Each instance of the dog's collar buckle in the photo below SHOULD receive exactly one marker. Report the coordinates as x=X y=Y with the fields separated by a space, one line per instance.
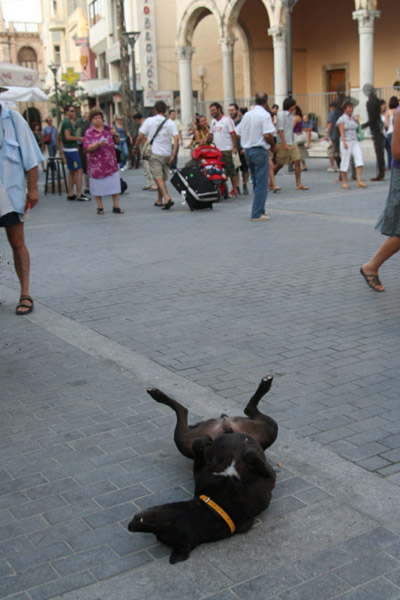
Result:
x=207 y=500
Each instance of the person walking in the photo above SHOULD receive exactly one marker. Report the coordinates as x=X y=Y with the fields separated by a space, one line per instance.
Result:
x=236 y=117
x=389 y=221
x=99 y=143
x=50 y=137
x=256 y=132
x=123 y=141
x=19 y=160
x=160 y=130
x=288 y=151
x=349 y=145
x=151 y=184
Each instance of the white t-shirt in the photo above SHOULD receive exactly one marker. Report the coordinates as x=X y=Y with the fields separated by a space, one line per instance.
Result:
x=221 y=130
x=162 y=142
x=253 y=126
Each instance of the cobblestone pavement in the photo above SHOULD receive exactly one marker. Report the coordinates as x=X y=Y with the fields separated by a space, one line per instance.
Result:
x=202 y=305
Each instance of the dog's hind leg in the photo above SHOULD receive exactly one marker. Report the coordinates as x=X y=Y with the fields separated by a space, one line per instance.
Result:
x=181 y=411
x=251 y=409
x=260 y=426
x=183 y=434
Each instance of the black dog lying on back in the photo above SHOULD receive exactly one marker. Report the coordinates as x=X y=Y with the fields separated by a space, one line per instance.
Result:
x=233 y=481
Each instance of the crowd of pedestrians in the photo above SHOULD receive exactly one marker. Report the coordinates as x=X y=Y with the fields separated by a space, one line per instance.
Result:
x=255 y=143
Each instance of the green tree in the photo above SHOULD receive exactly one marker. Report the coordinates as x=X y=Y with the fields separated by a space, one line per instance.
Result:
x=68 y=94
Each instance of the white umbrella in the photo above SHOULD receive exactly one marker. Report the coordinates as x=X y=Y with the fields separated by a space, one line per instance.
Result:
x=17 y=76
x=23 y=94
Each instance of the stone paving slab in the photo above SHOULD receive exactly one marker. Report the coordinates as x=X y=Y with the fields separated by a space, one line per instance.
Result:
x=202 y=305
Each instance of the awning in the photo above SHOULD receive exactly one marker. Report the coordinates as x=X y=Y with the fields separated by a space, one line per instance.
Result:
x=23 y=94
x=107 y=90
x=16 y=76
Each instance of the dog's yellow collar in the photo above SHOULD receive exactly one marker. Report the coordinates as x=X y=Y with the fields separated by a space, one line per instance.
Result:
x=207 y=500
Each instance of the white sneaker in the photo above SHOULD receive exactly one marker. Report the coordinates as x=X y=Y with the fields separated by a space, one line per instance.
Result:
x=263 y=217
x=330 y=170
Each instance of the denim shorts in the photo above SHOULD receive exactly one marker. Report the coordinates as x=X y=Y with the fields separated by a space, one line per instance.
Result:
x=73 y=160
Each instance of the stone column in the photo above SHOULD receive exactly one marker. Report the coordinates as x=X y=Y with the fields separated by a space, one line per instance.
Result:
x=228 y=71
x=366 y=20
x=184 y=54
x=280 y=64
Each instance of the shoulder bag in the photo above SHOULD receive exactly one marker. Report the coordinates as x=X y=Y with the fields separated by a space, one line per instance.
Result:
x=146 y=152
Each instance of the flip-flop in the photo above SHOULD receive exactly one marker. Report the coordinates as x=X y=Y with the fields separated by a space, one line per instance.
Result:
x=168 y=204
x=28 y=309
x=302 y=187
x=372 y=281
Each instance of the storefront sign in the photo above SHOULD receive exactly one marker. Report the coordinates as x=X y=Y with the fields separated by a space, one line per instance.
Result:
x=150 y=97
x=82 y=41
x=147 y=45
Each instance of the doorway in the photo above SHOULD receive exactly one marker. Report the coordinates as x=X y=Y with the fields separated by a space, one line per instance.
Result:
x=335 y=78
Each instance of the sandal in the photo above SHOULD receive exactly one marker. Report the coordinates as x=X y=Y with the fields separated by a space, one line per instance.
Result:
x=168 y=204
x=27 y=308
x=276 y=189
x=100 y=211
x=156 y=204
x=302 y=187
x=373 y=281
x=118 y=210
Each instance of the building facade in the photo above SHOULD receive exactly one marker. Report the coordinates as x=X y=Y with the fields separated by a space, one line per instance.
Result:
x=190 y=52
x=21 y=44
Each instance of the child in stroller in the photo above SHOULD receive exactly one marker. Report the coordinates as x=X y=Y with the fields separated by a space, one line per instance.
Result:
x=210 y=163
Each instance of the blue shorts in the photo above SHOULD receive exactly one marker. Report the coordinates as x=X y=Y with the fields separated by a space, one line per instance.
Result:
x=73 y=160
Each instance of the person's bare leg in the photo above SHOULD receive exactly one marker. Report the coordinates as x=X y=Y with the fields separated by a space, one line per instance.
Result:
x=71 y=181
x=79 y=174
x=15 y=235
x=272 y=180
x=235 y=182
x=386 y=250
x=297 y=173
x=99 y=200
x=343 y=177
x=277 y=168
x=332 y=162
x=162 y=191
x=115 y=199
x=360 y=182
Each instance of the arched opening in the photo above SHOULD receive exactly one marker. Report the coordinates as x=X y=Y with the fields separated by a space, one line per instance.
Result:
x=254 y=20
x=27 y=57
x=32 y=115
x=207 y=61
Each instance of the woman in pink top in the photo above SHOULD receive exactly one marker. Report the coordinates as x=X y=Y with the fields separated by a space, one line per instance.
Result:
x=99 y=143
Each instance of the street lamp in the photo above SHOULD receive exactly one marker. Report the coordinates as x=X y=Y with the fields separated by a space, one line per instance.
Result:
x=289 y=4
x=54 y=68
x=131 y=38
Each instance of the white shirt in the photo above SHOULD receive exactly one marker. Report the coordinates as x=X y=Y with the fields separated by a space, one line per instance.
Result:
x=162 y=142
x=221 y=130
x=253 y=126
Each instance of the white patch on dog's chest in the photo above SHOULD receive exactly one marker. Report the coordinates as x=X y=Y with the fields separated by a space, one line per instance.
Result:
x=229 y=471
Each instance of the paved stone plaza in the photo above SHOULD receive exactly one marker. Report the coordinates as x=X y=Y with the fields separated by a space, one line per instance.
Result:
x=201 y=305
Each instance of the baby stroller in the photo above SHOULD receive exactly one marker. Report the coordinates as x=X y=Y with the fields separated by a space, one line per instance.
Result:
x=209 y=160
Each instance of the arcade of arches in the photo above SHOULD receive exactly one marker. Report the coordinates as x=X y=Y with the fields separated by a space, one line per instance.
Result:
x=229 y=49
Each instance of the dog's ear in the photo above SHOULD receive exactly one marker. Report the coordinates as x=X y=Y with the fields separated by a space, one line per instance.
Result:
x=180 y=554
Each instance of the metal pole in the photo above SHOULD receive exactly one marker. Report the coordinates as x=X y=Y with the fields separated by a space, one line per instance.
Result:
x=56 y=94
